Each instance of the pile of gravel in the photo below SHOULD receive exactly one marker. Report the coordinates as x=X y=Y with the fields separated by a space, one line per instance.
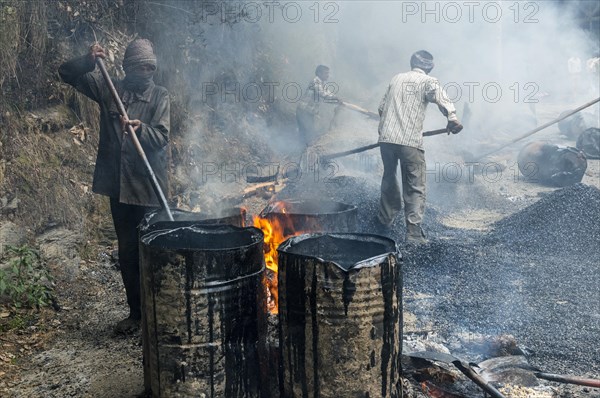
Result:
x=565 y=221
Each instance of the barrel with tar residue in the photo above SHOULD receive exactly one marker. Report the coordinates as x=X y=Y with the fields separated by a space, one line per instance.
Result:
x=203 y=306
x=312 y=215
x=158 y=219
x=340 y=316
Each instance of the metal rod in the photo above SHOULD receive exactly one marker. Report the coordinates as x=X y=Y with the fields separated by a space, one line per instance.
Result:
x=543 y=126
x=371 y=146
x=569 y=379
x=157 y=190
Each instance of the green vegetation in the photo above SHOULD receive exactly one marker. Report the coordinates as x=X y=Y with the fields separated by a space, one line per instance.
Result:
x=26 y=283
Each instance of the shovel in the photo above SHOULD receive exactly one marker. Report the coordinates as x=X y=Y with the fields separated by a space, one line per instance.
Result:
x=464 y=367
x=494 y=367
x=540 y=128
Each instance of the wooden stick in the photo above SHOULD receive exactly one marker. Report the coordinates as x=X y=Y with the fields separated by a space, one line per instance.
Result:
x=569 y=379
x=359 y=109
x=371 y=146
x=582 y=107
x=136 y=142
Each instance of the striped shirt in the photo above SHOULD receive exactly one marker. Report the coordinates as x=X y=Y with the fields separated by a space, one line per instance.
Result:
x=402 y=109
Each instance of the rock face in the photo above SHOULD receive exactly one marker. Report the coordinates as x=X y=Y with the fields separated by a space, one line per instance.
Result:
x=11 y=235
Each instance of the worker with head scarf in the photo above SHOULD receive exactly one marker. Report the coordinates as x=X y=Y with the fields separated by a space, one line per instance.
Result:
x=120 y=173
x=402 y=112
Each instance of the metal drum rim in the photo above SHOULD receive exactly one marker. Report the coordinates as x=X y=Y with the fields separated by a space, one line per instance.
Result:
x=257 y=234
x=367 y=262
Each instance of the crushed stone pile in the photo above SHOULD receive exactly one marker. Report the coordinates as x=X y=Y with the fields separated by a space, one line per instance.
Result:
x=566 y=220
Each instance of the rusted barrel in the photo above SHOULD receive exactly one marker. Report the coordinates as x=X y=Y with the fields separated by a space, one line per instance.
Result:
x=551 y=164
x=312 y=216
x=157 y=219
x=203 y=311
x=295 y=217
x=340 y=316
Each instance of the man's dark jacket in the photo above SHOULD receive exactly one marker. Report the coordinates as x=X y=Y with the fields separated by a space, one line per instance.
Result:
x=120 y=171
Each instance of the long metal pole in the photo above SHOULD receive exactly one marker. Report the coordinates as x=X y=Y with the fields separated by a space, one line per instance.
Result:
x=543 y=126
x=157 y=190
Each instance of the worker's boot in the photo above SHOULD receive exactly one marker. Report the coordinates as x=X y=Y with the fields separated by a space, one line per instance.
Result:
x=129 y=325
x=415 y=234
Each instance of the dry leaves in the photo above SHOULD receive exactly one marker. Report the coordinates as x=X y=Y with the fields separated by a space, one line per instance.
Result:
x=79 y=133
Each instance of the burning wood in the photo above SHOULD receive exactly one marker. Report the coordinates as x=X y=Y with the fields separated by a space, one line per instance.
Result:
x=437 y=392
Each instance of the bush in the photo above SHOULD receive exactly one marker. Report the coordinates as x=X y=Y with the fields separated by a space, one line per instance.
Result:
x=26 y=283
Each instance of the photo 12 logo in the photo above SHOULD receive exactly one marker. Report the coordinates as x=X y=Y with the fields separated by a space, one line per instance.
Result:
x=266 y=92
x=490 y=92
x=269 y=11
x=469 y=11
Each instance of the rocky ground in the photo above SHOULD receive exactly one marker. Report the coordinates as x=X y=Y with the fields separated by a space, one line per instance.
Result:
x=475 y=278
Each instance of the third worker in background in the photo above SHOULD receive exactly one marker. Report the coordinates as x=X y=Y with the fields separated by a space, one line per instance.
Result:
x=307 y=112
x=402 y=113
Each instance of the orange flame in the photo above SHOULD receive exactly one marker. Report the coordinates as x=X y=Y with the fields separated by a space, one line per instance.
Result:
x=273 y=232
x=276 y=230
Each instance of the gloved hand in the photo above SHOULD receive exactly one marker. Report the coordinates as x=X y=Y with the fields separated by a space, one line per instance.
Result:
x=454 y=127
x=96 y=51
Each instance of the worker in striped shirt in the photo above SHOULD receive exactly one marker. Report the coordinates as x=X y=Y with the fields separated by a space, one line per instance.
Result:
x=402 y=112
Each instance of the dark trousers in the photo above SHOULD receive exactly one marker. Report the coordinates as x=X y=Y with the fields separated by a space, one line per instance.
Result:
x=307 y=126
x=126 y=219
x=412 y=166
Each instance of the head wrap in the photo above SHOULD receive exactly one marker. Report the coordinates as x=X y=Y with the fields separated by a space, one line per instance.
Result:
x=422 y=60
x=139 y=52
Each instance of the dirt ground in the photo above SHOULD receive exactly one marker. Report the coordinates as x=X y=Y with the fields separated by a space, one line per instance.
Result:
x=75 y=354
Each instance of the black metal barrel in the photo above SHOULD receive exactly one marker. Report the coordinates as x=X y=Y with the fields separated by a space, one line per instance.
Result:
x=158 y=219
x=312 y=215
x=203 y=303
x=574 y=125
x=340 y=316
x=551 y=164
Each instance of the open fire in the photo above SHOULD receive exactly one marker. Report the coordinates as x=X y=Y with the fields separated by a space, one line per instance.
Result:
x=273 y=237
x=276 y=230
x=281 y=220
